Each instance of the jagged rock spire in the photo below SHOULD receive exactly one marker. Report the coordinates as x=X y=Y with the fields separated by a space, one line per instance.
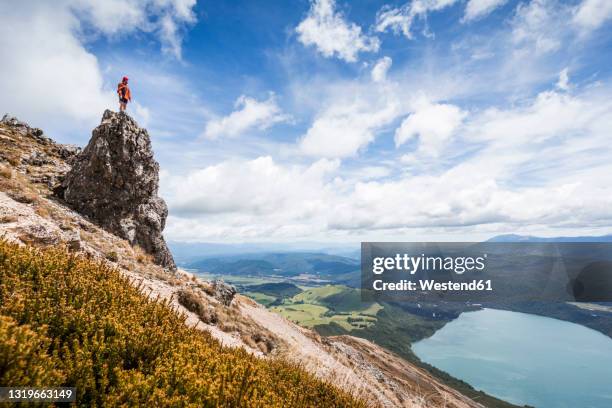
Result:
x=114 y=181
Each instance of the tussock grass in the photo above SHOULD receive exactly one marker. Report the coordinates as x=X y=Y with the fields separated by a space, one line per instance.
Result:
x=5 y=219
x=142 y=256
x=6 y=172
x=70 y=321
x=24 y=197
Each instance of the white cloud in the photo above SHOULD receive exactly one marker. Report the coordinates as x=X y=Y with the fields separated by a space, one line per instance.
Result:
x=249 y=114
x=400 y=19
x=166 y=18
x=541 y=165
x=245 y=199
x=351 y=114
x=539 y=25
x=591 y=14
x=332 y=35
x=349 y=124
x=434 y=124
x=47 y=74
x=379 y=72
x=141 y=114
x=476 y=9
x=543 y=26
x=521 y=163
x=550 y=114
x=563 y=82
x=260 y=186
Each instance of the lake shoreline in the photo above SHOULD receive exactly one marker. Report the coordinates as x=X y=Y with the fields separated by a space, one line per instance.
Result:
x=465 y=349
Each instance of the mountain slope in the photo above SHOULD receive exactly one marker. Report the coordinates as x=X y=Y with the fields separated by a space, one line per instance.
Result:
x=94 y=331
x=31 y=168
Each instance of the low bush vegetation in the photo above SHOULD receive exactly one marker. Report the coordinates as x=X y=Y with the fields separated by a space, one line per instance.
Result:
x=70 y=321
x=24 y=197
x=194 y=303
x=112 y=256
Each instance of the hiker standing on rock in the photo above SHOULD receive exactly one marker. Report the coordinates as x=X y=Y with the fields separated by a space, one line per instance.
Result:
x=125 y=96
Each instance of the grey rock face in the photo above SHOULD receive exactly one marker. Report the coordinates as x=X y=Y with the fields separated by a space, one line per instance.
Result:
x=68 y=152
x=223 y=292
x=37 y=159
x=114 y=181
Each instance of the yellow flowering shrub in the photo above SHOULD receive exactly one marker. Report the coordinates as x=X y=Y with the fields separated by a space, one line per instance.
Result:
x=69 y=321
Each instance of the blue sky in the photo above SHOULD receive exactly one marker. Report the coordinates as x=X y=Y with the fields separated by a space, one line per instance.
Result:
x=337 y=121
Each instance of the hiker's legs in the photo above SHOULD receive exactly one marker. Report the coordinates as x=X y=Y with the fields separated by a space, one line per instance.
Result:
x=121 y=106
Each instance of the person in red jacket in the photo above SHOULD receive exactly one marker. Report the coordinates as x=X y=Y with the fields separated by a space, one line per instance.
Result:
x=125 y=96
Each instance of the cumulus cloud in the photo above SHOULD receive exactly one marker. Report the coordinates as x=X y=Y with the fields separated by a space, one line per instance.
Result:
x=349 y=124
x=476 y=9
x=400 y=19
x=47 y=74
x=379 y=72
x=260 y=186
x=249 y=114
x=539 y=165
x=166 y=18
x=244 y=199
x=433 y=123
x=463 y=198
x=332 y=35
x=591 y=14
x=524 y=162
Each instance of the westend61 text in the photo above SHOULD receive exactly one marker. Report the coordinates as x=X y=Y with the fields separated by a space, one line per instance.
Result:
x=431 y=285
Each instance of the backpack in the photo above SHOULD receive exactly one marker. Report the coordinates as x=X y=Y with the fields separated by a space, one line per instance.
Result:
x=121 y=90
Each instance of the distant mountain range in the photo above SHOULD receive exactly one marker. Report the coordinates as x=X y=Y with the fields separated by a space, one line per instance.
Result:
x=189 y=252
x=529 y=238
x=319 y=266
x=186 y=253
x=333 y=262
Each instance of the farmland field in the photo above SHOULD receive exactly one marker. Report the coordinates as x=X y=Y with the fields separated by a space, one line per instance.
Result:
x=324 y=305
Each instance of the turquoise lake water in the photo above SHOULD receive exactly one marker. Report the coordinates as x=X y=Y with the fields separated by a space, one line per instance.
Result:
x=525 y=359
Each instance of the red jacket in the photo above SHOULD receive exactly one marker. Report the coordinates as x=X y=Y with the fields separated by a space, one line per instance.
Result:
x=123 y=90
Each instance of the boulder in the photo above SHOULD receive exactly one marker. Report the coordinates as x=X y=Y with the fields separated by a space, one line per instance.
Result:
x=68 y=152
x=223 y=292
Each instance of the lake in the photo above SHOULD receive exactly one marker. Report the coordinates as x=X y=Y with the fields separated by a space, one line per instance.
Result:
x=525 y=359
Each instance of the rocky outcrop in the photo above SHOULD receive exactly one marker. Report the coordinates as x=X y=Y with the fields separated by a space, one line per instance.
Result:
x=25 y=129
x=223 y=292
x=114 y=181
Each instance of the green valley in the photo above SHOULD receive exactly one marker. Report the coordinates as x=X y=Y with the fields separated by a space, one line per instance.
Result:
x=326 y=305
